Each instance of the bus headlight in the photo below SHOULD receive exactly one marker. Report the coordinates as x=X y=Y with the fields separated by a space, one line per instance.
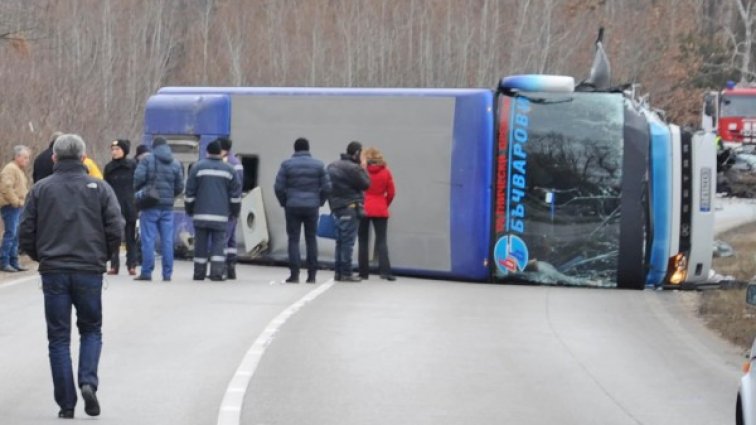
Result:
x=677 y=269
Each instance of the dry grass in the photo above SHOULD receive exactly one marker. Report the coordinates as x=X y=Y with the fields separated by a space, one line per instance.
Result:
x=743 y=264
x=725 y=310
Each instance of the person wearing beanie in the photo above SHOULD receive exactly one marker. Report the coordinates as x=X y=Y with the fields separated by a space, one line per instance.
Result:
x=349 y=180
x=231 y=249
x=302 y=187
x=213 y=195
x=163 y=173
x=119 y=173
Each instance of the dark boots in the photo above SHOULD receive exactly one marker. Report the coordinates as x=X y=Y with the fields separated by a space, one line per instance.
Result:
x=200 y=270
x=231 y=270
x=217 y=270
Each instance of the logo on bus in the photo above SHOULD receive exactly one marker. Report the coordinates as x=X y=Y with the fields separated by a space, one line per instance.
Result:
x=510 y=254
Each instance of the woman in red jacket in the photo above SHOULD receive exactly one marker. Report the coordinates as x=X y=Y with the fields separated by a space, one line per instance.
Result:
x=378 y=197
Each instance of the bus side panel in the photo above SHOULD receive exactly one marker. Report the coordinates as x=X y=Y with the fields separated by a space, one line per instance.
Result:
x=704 y=184
x=416 y=132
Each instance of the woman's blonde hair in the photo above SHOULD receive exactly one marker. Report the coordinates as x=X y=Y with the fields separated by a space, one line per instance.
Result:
x=374 y=156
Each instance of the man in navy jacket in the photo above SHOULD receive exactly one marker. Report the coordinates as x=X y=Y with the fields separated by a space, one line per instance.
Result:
x=213 y=197
x=302 y=187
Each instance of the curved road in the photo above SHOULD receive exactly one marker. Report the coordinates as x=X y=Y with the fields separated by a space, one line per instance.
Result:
x=410 y=352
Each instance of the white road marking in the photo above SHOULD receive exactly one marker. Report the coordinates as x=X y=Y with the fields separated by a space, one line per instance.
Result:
x=231 y=406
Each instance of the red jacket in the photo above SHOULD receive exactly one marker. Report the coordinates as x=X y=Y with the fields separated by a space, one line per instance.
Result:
x=379 y=195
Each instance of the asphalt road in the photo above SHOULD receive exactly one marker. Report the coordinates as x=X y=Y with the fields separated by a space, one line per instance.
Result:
x=409 y=352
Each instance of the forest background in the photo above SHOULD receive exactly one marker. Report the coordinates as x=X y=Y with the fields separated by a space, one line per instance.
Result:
x=89 y=66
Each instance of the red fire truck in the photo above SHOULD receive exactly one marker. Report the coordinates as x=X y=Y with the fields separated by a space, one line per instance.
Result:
x=731 y=113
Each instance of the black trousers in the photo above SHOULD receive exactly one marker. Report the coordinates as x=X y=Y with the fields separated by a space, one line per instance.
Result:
x=380 y=226
x=296 y=217
x=129 y=236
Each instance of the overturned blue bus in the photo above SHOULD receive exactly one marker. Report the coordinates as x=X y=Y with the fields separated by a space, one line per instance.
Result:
x=533 y=182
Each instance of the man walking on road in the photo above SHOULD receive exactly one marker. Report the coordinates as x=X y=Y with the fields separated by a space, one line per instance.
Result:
x=302 y=187
x=349 y=180
x=213 y=196
x=72 y=225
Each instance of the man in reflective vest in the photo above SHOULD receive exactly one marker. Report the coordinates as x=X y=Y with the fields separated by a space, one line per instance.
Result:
x=212 y=199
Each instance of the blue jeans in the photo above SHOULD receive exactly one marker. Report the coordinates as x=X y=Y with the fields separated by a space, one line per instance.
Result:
x=83 y=291
x=9 y=249
x=151 y=222
x=346 y=231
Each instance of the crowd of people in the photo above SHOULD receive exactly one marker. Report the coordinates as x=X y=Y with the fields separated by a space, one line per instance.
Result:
x=74 y=217
x=359 y=188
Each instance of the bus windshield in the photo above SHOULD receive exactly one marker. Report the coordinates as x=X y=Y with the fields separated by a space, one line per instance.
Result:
x=568 y=166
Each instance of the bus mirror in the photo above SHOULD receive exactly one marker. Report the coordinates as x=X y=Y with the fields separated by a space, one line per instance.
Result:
x=751 y=294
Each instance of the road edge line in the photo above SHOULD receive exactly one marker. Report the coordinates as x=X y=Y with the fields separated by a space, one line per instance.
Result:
x=233 y=399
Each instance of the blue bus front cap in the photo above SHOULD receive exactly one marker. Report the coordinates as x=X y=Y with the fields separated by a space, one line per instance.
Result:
x=187 y=114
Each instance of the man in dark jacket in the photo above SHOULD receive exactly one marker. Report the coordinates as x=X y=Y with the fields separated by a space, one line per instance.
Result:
x=348 y=180
x=162 y=170
x=43 y=163
x=72 y=225
x=302 y=187
x=119 y=173
x=213 y=195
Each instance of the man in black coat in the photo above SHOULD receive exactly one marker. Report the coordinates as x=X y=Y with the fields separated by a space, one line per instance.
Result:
x=72 y=224
x=119 y=173
x=43 y=163
x=348 y=182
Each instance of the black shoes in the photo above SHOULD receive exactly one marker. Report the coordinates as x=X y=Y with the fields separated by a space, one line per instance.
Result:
x=216 y=278
x=311 y=280
x=91 y=405
x=292 y=279
x=389 y=277
x=350 y=278
x=66 y=413
x=231 y=272
x=145 y=278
